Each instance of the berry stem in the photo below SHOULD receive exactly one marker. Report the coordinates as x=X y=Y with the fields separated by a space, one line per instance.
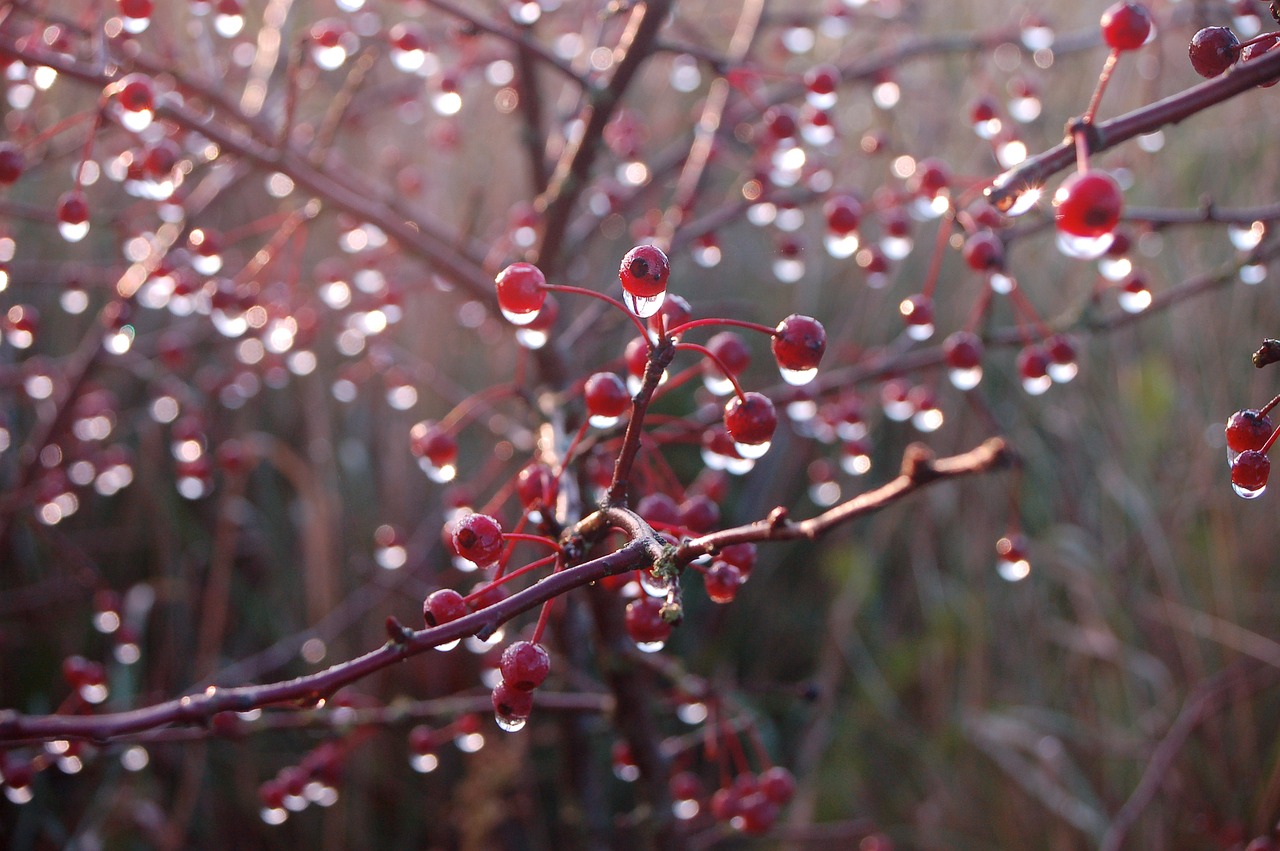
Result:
x=659 y=359
x=939 y=251
x=1265 y=409
x=566 y=288
x=736 y=323
x=507 y=577
x=1266 y=447
x=707 y=353
x=545 y=615
x=468 y=407
x=1108 y=68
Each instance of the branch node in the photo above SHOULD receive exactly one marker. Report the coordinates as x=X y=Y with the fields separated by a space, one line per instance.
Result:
x=1267 y=354
x=779 y=517
x=396 y=631
x=917 y=464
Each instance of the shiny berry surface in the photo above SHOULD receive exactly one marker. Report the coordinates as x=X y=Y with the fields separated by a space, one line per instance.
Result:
x=1088 y=204
x=1247 y=430
x=644 y=271
x=799 y=342
x=644 y=621
x=750 y=418
x=478 y=538
x=443 y=606
x=520 y=288
x=606 y=395
x=1213 y=50
x=1249 y=472
x=1126 y=26
x=524 y=665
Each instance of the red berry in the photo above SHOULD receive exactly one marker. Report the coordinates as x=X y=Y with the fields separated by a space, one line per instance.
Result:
x=606 y=396
x=843 y=214
x=429 y=440
x=699 y=514
x=73 y=208
x=917 y=310
x=636 y=356
x=1249 y=472
x=962 y=350
x=12 y=162
x=798 y=343
x=536 y=484
x=750 y=419
x=524 y=665
x=742 y=556
x=510 y=703
x=1033 y=368
x=778 y=784
x=782 y=121
x=644 y=271
x=135 y=93
x=443 y=606
x=722 y=581
x=675 y=311
x=1257 y=48
x=984 y=252
x=1247 y=430
x=520 y=290
x=1213 y=50
x=1126 y=26
x=644 y=620
x=478 y=538
x=822 y=79
x=930 y=177
x=731 y=351
x=1088 y=204
x=757 y=814
x=136 y=8
x=1012 y=548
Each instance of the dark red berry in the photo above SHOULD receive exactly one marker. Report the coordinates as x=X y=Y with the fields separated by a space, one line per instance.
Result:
x=644 y=271
x=536 y=484
x=443 y=606
x=478 y=538
x=12 y=162
x=427 y=439
x=524 y=665
x=750 y=419
x=699 y=514
x=722 y=581
x=1257 y=48
x=782 y=121
x=73 y=208
x=645 y=623
x=984 y=252
x=778 y=784
x=731 y=351
x=511 y=703
x=843 y=214
x=962 y=350
x=822 y=79
x=799 y=343
x=520 y=289
x=1247 y=430
x=606 y=395
x=1125 y=26
x=135 y=93
x=1249 y=472
x=917 y=310
x=1213 y=50
x=136 y=8
x=1088 y=204
x=742 y=556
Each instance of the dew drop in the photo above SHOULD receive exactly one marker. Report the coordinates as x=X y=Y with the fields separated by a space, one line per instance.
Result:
x=1084 y=247
x=1115 y=268
x=655 y=646
x=1245 y=493
x=1134 y=301
x=752 y=451
x=717 y=384
x=855 y=463
x=841 y=246
x=603 y=422
x=920 y=332
x=448 y=645
x=136 y=121
x=896 y=247
x=274 y=815
x=19 y=794
x=1063 y=372
x=510 y=724
x=1037 y=385
x=73 y=231
x=531 y=338
x=519 y=318
x=654 y=586
x=642 y=306
x=228 y=26
x=965 y=379
x=440 y=475
x=798 y=377
x=788 y=270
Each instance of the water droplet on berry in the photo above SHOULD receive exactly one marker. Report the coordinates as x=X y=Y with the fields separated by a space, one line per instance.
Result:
x=1063 y=372
x=642 y=306
x=1134 y=301
x=1084 y=247
x=965 y=379
x=649 y=647
x=841 y=245
x=509 y=724
x=797 y=377
x=73 y=231
x=788 y=270
x=274 y=815
x=896 y=247
x=752 y=451
x=654 y=586
x=228 y=26
x=1253 y=273
x=136 y=121
x=519 y=318
x=443 y=474
x=448 y=645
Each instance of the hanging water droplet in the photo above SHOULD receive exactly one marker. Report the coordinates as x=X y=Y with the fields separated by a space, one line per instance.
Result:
x=510 y=724
x=717 y=383
x=1084 y=247
x=1245 y=493
x=440 y=475
x=73 y=231
x=1036 y=385
x=136 y=121
x=448 y=645
x=752 y=451
x=797 y=377
x=841 y=246
x=424 y=763
x=650 y=646
x=965 y=379
x=654 y=586
x=1063 y=372
x=1013 y=570
x=274 y=815
x=1134 y=301
x=642 y=306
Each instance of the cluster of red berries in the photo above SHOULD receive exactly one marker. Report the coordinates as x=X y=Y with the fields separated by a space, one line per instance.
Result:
x=1250 y=435
x=313 y=781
